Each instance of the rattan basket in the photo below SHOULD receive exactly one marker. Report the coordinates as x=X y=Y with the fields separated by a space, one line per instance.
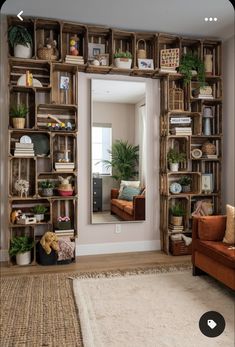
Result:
x=178 y=247
x=45 y=53
x=176 y=99
x=208 y=148
x=141 y=52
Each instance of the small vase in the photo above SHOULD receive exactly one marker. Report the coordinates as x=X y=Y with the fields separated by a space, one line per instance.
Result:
x=174 y=167
x=208 y=64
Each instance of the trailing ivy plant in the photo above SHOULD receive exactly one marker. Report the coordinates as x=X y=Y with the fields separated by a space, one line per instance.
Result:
x=191 y=62
x=19 y=35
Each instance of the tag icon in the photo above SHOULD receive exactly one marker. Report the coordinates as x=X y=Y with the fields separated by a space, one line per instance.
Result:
x=211 y=323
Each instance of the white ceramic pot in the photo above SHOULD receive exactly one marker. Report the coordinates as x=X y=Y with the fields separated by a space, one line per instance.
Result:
x=21 y=51
x=123 y=63
x=174 y=167
x=23 y=258
x=39 y=217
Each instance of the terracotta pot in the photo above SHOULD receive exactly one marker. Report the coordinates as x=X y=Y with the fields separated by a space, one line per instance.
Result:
x=175 y=220
x=18 y=123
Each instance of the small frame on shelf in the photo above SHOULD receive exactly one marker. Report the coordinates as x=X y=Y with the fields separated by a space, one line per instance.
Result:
x=207 y=183
x=146 y=64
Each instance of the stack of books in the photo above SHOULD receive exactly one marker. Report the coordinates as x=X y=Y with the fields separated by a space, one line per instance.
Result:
x=183 y=131
x=210 y=156
x=66 y=167
x=24 y=150
x=63 y=233
x=176 y=228
x=74 y=59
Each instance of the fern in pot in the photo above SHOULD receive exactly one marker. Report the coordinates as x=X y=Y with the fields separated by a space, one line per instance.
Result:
x=175 y=158
x=18 y=114
x=21 y=41
x=20 y=247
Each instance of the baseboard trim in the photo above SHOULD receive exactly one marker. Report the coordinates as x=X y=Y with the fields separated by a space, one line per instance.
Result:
x=117 y=247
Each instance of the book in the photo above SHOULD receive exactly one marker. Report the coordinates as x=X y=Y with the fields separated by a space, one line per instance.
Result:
x=64 y=231
x=181 y=120
x=23 y=145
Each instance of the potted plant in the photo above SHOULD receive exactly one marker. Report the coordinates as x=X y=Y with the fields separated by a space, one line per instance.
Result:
x=124 y=160
x=20 y=247
x=185 y=182
x=177 y=212
x=21 y=41
x=39 y=211
x=18 y=114
x=47 y=188
x=174 y=158
x=123 y=60
x=190 y=65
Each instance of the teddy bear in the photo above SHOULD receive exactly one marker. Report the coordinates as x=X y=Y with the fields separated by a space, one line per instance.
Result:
x=49 y=241
x=50 y=43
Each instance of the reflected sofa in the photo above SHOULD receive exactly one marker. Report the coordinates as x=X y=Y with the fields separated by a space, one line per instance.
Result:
x=128 y=210
x=209 y=253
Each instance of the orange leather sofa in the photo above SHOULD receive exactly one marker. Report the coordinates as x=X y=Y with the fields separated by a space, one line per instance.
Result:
x=128 y=210
x=209 y=253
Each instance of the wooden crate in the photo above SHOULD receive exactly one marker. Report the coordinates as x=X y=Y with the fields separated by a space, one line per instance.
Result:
x=48 y=30
x=63 y=113
x=61 y=73
x=180 y=248
x=69 y=30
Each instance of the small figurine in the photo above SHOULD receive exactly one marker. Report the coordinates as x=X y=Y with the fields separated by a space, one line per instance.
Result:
x=15 y=215
x=22 y=187
x=74 y=45
x=69 y=126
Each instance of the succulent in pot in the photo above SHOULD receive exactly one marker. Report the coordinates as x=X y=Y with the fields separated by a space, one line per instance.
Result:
x=18 y=114
x=20 y=247
x=47 y=188
x=185 y=182
x=123 y=60
x=177 y=212
x=39 y=211
x=174 y=158
x=21 y=41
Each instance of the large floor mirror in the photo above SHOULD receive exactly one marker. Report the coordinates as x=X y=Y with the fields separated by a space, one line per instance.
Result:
x=118 y=151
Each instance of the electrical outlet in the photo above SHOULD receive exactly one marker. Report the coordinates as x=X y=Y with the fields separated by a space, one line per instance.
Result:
x=118 y=228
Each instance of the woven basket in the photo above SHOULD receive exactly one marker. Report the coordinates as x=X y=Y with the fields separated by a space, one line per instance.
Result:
x=176 y=99
x=208 y=148
x=18 y=123
x=178 y=247
x=141 y=53
x=45 y=53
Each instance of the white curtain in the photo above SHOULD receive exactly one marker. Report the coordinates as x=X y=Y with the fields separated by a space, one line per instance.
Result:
x=142 y=144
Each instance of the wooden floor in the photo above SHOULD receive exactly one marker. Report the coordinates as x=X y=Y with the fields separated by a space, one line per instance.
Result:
x=97 y=263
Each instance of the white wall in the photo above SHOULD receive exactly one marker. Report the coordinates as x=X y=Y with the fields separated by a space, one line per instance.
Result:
x=228 y=171
x=134 y=236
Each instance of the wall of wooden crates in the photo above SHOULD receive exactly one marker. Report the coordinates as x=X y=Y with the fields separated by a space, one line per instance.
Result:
x=49 y=98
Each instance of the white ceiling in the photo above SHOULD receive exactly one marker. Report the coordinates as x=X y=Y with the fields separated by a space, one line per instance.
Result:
x=184 y=17
x=125 y=92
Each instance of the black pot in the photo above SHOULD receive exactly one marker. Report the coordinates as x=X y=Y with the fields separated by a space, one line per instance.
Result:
x=46 y=259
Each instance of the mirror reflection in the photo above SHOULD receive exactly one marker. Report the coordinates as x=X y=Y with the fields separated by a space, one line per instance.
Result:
x=118 y=177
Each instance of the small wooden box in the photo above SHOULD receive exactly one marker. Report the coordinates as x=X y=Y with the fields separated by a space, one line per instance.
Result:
x=180 y=248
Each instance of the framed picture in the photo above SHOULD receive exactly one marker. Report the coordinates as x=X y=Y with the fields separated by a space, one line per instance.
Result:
x=207 y=183
x=95 y=49
x=64 y=82
x=146 y=64
x=170 y=58
x=103 y=59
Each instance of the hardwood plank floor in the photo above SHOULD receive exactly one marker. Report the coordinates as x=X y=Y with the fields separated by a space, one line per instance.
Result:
x=98 y=263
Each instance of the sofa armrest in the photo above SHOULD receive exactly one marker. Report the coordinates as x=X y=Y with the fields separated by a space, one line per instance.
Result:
x=209 y=228
x=114 y=193
x=139 y=207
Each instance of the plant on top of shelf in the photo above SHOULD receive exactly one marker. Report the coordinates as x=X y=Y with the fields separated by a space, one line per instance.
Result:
x=20 y=247
x=190 y=63
x=174 y=158
x=39 y=211
x=123 y=60
x=177 y=212
x=18 y=114
x=47 y=188
x=21 y=41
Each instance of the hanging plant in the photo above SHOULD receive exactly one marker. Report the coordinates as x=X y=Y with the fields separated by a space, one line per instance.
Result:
x=190 y=63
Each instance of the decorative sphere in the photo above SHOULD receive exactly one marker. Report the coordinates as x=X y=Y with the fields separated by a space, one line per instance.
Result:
x=72 y=42
x=74 y=52
x=72 y=49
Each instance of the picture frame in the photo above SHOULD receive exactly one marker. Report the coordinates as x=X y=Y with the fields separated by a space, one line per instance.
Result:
x=64 y=82
x=145 y=64
x=170 y=58
x=103 y=59
x=207 y=183
x=95 y=49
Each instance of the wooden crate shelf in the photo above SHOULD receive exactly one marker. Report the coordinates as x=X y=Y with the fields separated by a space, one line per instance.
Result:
x=63 y=93
x=64 y=113
x=70 y=30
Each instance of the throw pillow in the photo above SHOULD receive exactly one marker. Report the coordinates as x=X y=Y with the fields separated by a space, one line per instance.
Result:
x=135 y=184
x=211 y=228
x=229 y=236
x=128 y=193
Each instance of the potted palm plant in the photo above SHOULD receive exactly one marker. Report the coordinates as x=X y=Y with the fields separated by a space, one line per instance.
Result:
x=123 y=60
x=174 y=158
x=177 y=212
x=39 y=211
x=20 y=247
x=192 y=65
x=47 y=188
x=21 y=41
x=124 y=160
x=18 y=114
x=185 y=182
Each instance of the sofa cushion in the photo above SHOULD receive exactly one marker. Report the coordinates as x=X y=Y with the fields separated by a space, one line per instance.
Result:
x=129 y=209
x=135 y=184
x=211 y=228
x=119 y=203
x=219 y=251
x=128 y=193
x=229 y=236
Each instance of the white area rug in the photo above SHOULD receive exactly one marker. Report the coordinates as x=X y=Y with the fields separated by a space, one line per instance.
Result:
x=154 y=310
